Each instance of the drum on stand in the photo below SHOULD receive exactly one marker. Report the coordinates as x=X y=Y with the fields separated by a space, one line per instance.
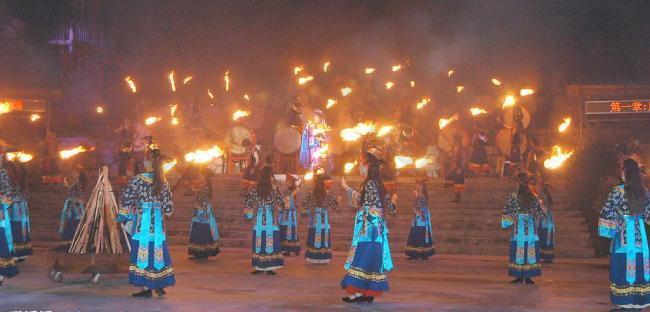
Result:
x=236 y=137
x=287 y=141
x=504 y=141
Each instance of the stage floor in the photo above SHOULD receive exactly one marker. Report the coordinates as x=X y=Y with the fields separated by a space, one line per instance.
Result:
x=443 y=283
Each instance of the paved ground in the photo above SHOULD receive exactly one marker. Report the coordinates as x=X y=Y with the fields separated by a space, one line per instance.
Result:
x=444 y=283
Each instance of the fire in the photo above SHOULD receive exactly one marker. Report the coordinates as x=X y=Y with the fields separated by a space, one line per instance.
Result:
x=172 y=109
x=169 y=165
x=565 y=124
x=347 y=168
x=475 y=111
x=187 y=79
x=19 y=156
x=65 y=154
x=361 y=129
x=99 y=109
x=131 y=84
x=203 y=156
x=509 y=101
x=369 y=70
x=412 y=83
x=322 y=152
x=526 y=92
x=172 y=81
x=496 y=82
x=330 y=103
x=385 y=130
x=174 y=121
x=460 y=89
x=308 y=176
x=326 y=66
x=240 y=114
x=364 y=128
x=152 y=120
x=350 y=135
x=421 y=162
x=247 y=98
x=210 y=94
x=402 y=161
x=558 y=157
x=297 y=70
x=226 y=79
x=389 y=85
x=396 y=67
x=34 y=117
x=346 y=91
x=423 y=103
x=450 y=72
x=304 y=80
x=443 y=122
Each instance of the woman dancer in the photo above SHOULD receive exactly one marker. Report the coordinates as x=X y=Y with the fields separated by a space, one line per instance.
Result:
x=317 y=205
x=72 y=210
x=420 y=240
x=8 y=268
x=19 y=213
x=369 y=259
x=204 y=234
x=288 y=219
x=146 y=200
x=260 y=203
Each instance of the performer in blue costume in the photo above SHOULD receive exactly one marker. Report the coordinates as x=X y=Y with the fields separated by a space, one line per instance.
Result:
x=8 y=268
x=288 y=218
x=420 y=240
x=261 y=203
x=546 y=228
x=523 y=210
x=19 y=214
x=73 y=209
x=314 y=137
x=204 y=234
x=146 y=200
x=622 y=219
x=317 y=205
x=369 y=259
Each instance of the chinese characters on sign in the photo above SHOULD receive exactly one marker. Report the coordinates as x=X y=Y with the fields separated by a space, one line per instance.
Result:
x=617 y=107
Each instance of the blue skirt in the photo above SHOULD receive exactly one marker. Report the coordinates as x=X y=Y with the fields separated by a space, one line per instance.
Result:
x=151 y=277
x=416 y=246
x=8 y=266
x=524 y=270
x=68 y=233
x=263 y=261
x=314 y=254
x=202 y=245
x=366 y=274
x=290 y=243
x=622 y=293
x=22 y=240
x=546 y=245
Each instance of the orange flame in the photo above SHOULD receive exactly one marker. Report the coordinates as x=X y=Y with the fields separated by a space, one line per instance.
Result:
x=565 y=124
x=297 y=70
x=558 y=157
x=174 y=121
x=349 y=166
x=412 y=83
x=99 y=109
x=385 y=130
x=402 y=161
x=475 y=111
x=330 y=103
x=308 y=176
x=443 y=122
x=65 y=154
x=460 y=89
x=200 y=156
x=187 y=79
x=226 y=79
x=526 y=92
x=355 y=133
x=323 y=151
x=304 y=80
x=172 y=109
x=131 y=84
x=346 y=91
x=19 y=156
x=420 y=105
x=34 y=117
x=152 y=120
x=509 y=101
x=240 y=114
x=169 y=165
x=396 y=67
x=389 y=85
x=369 y=70
x=496 y=82
x=421 y=162
x=210 y=94
x=450 y=72
x=326 y=66
x=172 y=81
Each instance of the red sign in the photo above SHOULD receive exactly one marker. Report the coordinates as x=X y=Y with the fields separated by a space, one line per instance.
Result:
x=617 y=107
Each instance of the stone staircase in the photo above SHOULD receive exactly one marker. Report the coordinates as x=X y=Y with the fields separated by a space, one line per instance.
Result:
x=470 y=227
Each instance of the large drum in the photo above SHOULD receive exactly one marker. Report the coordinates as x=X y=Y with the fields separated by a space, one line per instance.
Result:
x=448 y=135
x=236 y=136
x=287 y=140
x=508 y=116
x=504 y=141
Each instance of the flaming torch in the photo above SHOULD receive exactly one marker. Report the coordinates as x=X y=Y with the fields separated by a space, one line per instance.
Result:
x=172 y=81
x=402 y=161
x=210 y=94
x=99 y=109
x=308 y=176
x=330 y=103
x=475 y=111
x=421 y=162
x=509 y=101
x=65 y=154
x=412 y=83
x=526 y=92
x=297 y=70
x=169 y=165
x=389 y=85
x=496 y=82
x=203 y=156
x=460 y=89
x=304 y=80
x=131 y=84
x=564 y=125
x=349 y=135
x=226 y=79
x=19 y=156
x=384 y=131
x=422 y=103
x=396 y=67
x=347 y=168
x=326 y=66
x=240 y=114
x=152 y=120
x=187 y=79
x=346 y=91
x=369 y=70
x=450 y=72
x=558 y=157
x=34 y=117
x=443 y=122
